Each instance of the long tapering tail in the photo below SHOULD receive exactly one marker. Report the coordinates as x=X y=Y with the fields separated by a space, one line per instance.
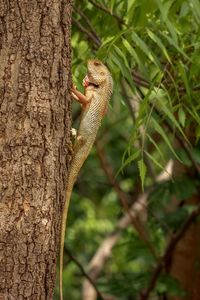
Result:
x=77 y=162
x=62 y=238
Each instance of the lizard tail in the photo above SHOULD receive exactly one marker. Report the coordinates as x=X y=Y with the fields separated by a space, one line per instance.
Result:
x=76 y=165
x=62 y=241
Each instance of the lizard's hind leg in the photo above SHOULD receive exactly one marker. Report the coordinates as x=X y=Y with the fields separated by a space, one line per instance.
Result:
x=79 y=143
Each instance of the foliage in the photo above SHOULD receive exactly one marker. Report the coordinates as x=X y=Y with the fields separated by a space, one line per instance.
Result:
x=152 y=48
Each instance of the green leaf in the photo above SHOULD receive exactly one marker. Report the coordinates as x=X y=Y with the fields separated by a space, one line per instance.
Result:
x=126 y=162
x=112 y=4
x=156 y=146
x=197 y=133
x=196 y=154
x=143 y=46
x=185 y=80
x=155 y=161
x=164 y=8
x=121 y=54
x=171 y=28
x=118 y=60
x=142 y=171
x=170 y=115
x=181 y=116
x=193 y=112
x=195 y=9
x=165 y=11
x=158 y=41
x=173 y=43
x=159 y=129
x=170 y=285
x=131 y=51
x=115 y=38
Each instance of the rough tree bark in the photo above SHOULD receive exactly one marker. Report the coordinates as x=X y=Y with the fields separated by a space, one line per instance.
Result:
x=34 y=137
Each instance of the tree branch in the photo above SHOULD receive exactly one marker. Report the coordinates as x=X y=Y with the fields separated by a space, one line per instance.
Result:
x=91 y=36
x=108 y=11
x=71 y=256
x=139 y=79
x=87 y=21
x=171 y=245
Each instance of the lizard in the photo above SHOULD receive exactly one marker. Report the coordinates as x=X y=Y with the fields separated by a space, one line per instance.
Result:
x=98 y=85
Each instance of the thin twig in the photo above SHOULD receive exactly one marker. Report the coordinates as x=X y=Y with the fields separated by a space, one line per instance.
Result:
x=139 y=79
x=94 y=40
x=86 y=19
x=171 y=245
x=71 y=256
x=108 y=11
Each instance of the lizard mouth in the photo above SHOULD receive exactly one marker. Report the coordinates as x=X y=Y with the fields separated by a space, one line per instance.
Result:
x=93 y=84
x=87 y=82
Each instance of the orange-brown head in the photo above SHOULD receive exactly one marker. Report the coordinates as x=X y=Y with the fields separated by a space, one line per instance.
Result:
x=98 y=75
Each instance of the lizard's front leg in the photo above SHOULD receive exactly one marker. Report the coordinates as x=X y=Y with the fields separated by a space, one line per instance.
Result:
x=81 y=98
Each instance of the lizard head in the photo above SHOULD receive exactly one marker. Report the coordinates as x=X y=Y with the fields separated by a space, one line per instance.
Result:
x=98 y=75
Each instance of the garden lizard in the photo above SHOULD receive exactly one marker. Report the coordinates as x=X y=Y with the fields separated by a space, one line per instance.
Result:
x=98 y=86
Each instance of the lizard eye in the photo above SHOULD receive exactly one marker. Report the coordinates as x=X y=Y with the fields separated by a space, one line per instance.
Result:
x=96 y=63
x=102 y=73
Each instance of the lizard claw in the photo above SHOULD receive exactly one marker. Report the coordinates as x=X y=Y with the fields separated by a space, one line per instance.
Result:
x=74 y=91
x=86 y=81
x=74 y=96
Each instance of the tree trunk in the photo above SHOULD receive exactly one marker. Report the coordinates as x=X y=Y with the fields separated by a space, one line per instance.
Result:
x=35 y=124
